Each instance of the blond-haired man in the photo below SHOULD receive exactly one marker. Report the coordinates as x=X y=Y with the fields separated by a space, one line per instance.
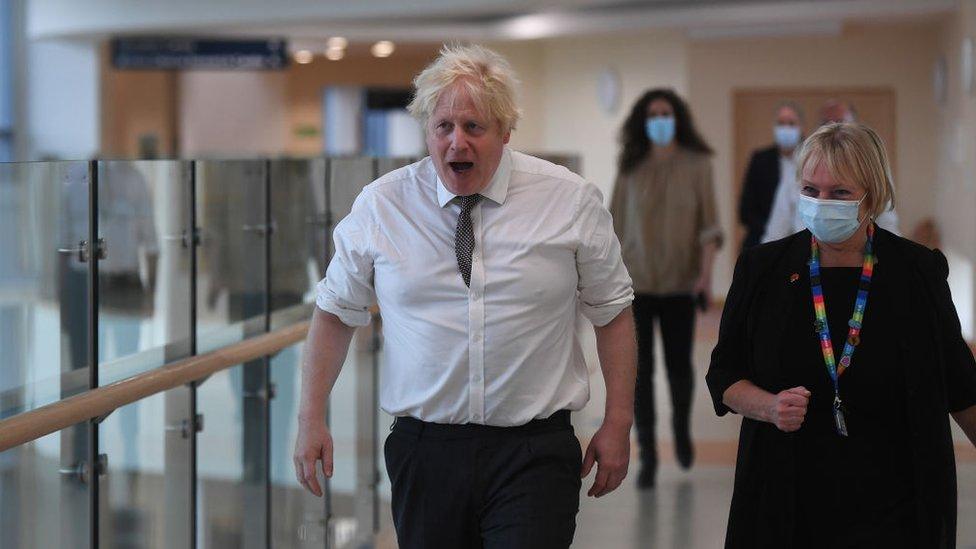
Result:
x=480 y=259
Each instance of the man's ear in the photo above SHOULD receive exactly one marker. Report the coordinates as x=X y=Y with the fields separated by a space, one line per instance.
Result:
x=508 y=135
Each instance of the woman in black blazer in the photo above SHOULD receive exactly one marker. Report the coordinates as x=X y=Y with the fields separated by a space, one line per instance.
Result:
x=866 y=461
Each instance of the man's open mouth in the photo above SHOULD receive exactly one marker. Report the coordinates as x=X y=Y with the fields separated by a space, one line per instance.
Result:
x=460 y=167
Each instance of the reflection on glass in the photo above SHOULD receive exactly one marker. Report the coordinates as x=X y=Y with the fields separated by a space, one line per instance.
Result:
x=298 y=262
x=43 y=283
x=221 y=488
x=387 y=165
x=144 y=322
x=132 y=505
x=297 y=517
x=44 y=342
x=231 y=263
x=350 y=415
x=34 y=484
x=298 y=239
x=232 y=286
x=127 y=273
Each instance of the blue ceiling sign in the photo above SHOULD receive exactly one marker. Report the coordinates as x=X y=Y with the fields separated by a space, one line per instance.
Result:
x=198 y=53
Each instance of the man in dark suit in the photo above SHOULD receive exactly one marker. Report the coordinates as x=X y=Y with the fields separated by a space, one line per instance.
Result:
x=767 y=168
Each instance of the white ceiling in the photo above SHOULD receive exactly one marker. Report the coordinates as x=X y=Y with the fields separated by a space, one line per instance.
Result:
x=438 y=20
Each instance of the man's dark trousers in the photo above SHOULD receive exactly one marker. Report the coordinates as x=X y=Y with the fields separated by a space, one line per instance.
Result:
x=474 y=486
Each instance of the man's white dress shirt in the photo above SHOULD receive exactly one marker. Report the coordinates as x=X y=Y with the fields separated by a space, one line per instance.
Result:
x=506 y=350
x=784 y=217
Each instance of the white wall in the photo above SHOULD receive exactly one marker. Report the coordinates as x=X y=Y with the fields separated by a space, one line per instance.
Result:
x=898 y=56
x=6 y=65
x=342 y=118
x=561 y=112
x=527 y=60
x=232 y=113
x=406 y=137
x=955 y=188
x=62 y=99
x=574 y=121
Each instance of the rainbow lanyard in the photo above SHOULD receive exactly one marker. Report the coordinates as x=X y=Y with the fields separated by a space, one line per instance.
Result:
x=823 y=328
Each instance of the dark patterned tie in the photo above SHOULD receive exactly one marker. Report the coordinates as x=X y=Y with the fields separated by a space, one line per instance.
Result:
x=464 y=237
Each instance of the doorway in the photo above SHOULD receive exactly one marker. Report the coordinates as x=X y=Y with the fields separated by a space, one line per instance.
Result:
x=754 y=110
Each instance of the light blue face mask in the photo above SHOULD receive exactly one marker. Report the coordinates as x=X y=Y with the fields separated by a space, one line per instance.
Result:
x=830 y=221
x=660 y=130
x=787 y=137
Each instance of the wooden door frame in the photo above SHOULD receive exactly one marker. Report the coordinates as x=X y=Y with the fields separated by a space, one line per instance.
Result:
x=739 y=163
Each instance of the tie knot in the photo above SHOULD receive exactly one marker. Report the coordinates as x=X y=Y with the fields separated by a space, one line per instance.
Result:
x=469 y=202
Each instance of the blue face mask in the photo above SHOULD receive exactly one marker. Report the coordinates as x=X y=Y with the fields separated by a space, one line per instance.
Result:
x=787 y=137
x=831 y=221
x=660 y=130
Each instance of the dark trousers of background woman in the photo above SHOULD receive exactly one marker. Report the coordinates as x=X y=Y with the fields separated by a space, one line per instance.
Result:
x=675 y=315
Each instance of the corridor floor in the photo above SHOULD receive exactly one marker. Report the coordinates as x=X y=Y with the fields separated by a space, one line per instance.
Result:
x=689 y=510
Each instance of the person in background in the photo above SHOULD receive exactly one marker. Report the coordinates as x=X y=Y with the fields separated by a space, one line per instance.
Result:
x=841 y=348
x=126 y=299
x=784 y=219
x=481 y=260
x=769 y=168
x=664 y=214
x=835 y=110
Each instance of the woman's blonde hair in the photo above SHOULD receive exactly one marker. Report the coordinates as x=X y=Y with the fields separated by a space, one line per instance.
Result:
x=486 y=75
x=853 y=153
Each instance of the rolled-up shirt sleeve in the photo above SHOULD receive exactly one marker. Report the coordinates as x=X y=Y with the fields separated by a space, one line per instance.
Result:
x=605 y=288
x=347 y=289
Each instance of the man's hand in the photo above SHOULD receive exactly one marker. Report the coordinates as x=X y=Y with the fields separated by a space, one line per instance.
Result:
x=314 y=443
x=788 y=408
x=610 y=449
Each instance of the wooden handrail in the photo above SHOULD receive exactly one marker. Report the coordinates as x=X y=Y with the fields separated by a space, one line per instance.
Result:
x=48 y=419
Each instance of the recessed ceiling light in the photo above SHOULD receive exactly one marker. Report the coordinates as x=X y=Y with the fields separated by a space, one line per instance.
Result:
x=304 y=57
x=335 y=54
x=383 y=48
x=337 y=42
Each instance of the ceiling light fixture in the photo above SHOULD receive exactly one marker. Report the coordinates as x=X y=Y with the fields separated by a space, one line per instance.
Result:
x=304 y=57
x=337 y=43
x=383 y=48
x=335 y=54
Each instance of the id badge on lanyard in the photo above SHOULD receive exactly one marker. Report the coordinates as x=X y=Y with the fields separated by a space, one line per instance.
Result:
x=835 y=370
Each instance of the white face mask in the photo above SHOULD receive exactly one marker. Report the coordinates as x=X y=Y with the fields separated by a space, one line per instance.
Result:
x=830 y=221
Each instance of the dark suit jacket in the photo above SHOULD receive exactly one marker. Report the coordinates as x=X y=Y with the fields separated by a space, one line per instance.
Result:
x=938 y=366
x=758 y=191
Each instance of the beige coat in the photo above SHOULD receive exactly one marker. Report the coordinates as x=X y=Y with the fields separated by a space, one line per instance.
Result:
x=663 y=212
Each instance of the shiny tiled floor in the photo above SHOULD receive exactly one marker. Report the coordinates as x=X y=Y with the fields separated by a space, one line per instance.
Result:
x=689 y=509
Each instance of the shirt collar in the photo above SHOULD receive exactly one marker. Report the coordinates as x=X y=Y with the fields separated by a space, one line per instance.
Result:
x=497 y=188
